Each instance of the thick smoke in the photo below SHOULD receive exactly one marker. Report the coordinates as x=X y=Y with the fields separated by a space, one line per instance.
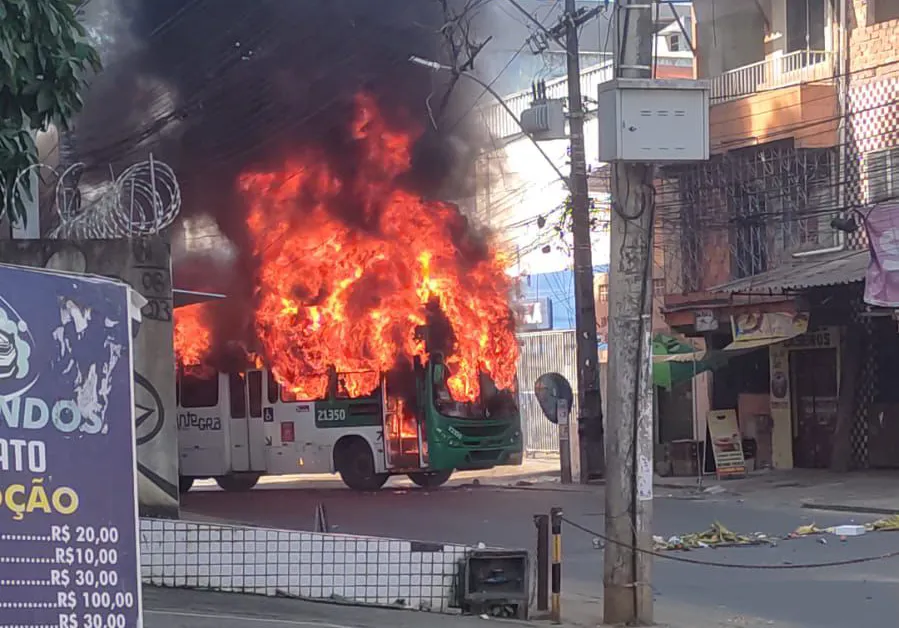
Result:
x=218 y=87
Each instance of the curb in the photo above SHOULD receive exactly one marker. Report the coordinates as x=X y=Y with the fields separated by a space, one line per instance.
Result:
x=870 y=510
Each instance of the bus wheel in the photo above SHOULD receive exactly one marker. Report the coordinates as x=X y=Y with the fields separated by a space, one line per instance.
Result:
x=184 y=484
x=430 y=479
x=237 y=482
x=356 y=466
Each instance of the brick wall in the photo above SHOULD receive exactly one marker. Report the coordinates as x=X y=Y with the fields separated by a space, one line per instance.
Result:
x=873 y=87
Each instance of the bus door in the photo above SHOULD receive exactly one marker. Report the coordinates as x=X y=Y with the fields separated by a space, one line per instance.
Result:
x=246 y=427
x=402 y=432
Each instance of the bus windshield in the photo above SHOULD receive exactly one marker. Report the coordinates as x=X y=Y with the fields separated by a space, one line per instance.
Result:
x=493 y=401
x=448 y=406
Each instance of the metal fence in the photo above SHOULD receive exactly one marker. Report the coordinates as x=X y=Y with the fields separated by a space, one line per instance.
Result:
x=543 y=352
x=794 y=68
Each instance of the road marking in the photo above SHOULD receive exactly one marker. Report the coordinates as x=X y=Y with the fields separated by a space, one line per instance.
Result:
x=261 y=620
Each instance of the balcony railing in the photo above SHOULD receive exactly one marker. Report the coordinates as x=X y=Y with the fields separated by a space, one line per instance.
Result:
x=795 y=68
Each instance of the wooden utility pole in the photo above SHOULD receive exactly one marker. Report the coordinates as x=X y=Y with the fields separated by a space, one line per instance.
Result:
x=590 y=429
x=589 y=437
x=629 y=450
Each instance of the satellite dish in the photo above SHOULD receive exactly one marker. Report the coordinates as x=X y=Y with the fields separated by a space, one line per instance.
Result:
x=552 y=391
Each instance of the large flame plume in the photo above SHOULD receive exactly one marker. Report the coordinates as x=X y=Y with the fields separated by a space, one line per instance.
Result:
x=352 y=292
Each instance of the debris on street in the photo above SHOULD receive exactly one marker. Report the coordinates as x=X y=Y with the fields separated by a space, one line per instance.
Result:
x=889 y=524
x=716 y=536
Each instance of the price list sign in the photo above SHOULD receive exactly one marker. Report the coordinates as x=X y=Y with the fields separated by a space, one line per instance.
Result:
x=68 y=496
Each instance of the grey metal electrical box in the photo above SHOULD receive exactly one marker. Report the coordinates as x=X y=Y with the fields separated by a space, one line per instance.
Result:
x=545 y=120
x=655 y=120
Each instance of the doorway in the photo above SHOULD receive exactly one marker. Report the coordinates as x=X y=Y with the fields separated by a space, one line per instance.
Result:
x=813 y=373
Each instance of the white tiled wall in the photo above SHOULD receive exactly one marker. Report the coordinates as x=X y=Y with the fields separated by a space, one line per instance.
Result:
x=347 y=568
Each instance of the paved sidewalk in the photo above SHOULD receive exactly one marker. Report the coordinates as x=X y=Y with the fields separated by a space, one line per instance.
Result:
x=582 y=612
x=860 y=492
x=174 y=608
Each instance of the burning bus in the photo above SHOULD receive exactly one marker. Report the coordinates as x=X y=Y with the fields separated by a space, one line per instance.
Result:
x=379 y=338
x=237 y=427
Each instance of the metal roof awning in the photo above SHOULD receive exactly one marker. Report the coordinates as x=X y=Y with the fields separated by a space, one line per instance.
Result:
x=182 y=298
x=733 y=349
x=749 y=344
x=828 y=269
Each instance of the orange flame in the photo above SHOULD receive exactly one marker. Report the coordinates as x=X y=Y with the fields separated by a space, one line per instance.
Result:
x=192 y=336
x=347 y=288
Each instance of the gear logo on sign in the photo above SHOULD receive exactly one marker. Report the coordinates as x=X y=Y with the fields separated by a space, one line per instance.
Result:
x=16 y=345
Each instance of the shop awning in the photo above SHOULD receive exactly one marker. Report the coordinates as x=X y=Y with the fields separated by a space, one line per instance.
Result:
x=827 y=269
x=749 y=344
x=675 y=361
x=692 y=356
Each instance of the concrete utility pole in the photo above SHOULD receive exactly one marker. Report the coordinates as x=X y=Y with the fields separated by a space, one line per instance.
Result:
x=629 y=452
x=590 y=430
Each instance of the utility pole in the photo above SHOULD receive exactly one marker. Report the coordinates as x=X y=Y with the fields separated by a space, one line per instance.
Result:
x=590 y=428
x=629 y=452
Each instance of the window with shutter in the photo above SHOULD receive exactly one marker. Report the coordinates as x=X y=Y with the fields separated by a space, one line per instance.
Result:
x=879 y=171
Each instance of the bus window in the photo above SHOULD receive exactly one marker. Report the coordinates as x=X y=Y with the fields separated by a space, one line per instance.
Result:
x=238 y=395
x=358 y=385
x=254 y=385
x=199 y=392
x=288 y=396
x=272 y=389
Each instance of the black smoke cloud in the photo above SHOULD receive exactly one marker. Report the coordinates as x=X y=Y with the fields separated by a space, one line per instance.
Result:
x=218 y=87
x=214 y=87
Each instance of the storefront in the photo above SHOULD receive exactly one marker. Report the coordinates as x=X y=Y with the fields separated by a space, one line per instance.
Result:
x=804 y=393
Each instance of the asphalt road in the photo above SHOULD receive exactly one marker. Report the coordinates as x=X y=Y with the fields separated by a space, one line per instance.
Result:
x=858 y=595
x=172 y=608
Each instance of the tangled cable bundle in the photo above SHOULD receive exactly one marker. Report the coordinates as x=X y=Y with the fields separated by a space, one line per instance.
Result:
x=143 y=200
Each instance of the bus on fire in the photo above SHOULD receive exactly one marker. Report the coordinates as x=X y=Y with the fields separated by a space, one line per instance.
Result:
x=237 y=427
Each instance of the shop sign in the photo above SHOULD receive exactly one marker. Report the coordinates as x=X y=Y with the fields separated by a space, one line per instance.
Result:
x=780 y=378
x=768 y=325
x=535 y=315
x=68 y=521
x=727 y=443
x=705 y=320
x=821 y=338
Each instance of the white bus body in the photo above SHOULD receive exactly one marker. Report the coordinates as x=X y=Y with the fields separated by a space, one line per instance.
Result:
x=236 y=427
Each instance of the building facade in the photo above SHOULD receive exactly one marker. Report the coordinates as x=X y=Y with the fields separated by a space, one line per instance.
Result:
x=765 y=244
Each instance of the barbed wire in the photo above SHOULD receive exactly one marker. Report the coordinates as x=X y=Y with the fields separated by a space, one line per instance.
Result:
x=143 y=200
x=745 y=566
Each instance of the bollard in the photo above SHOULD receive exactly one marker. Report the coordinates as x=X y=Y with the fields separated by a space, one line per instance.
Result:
x=542 y=523
x=555 y=515
x=320 y=522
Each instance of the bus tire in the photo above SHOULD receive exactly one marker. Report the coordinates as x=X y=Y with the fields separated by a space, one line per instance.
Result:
x=184 y=484
x=237 y=482
x=430 y=479
x=355 y=463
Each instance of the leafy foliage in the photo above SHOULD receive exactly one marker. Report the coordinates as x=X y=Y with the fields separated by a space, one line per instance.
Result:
x=44 y=57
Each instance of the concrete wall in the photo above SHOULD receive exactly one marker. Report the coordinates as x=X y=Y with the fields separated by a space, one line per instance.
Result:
x=146 y=265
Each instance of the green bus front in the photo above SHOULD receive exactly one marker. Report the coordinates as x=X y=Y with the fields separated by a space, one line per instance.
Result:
x=467 y=436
